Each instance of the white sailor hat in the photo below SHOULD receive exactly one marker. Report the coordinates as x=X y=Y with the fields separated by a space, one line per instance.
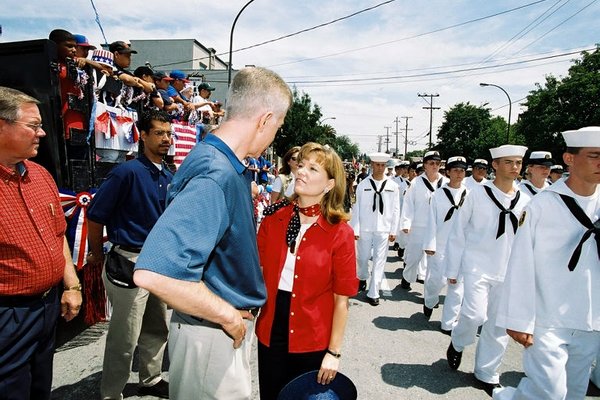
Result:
x=379 y=157
x=456 y=162
x=432 y=155
x=402 y=164
x=541 y=158
x=557 y=168
x=584 y=137
x=419 y=166
x=480 y=162
x=508 y=150
x=391 y=163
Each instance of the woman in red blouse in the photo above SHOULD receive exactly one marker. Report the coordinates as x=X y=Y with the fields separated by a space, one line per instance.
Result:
x=307 y=254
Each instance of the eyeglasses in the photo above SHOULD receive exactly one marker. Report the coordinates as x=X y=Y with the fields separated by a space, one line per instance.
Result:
x=163 y=133
x=35 y=127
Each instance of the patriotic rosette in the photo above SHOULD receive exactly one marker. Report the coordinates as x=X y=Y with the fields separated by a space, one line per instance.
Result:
x=75 y=209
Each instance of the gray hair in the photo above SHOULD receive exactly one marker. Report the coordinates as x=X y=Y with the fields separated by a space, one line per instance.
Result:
x=256 y=90
x=11 y=101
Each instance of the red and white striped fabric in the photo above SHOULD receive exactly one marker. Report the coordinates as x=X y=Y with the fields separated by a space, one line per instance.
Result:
x=184 y=139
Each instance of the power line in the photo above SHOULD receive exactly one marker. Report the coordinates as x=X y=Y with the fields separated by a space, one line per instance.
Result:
x=98 y=22
x=413 y=36
x=312 y=28
x=387 y=78
x=564 y=21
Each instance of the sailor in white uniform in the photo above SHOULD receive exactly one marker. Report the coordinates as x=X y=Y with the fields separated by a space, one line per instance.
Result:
x=478 y=177
x=403 y=183
x=375 y=218
x=445 y=203
x=538 y=169
x=551 y=298
x=414 y=216
x=556 y=172
x=478 y=251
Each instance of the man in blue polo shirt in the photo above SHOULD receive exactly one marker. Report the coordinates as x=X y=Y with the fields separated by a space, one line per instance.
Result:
x=201 y=257
x=128 y=203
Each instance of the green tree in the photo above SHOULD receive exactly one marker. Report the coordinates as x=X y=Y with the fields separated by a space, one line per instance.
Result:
x=302 y=125
x=562 y=104
x=469 y=131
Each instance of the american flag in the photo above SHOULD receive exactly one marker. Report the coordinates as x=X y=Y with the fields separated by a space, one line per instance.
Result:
x=184 y=139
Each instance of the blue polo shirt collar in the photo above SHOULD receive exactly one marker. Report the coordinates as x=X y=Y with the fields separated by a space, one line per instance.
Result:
x=223 y=148
x=150 y=165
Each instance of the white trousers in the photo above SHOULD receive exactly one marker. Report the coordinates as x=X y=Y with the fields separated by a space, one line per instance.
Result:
x=479 y=307
x=378 y=243
x=434 y=279
x=595 y=377
x=415 y=262
x=557 y=365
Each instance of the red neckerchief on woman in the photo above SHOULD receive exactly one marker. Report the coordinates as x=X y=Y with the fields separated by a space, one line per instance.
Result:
x=294 y=226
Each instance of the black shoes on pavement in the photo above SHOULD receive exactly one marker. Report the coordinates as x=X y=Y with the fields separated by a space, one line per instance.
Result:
x=454 y=357
x=160 y=389
x=373 y=302
x=404 y=284
x=487 y=387
x=362 y=286
x=427 y=311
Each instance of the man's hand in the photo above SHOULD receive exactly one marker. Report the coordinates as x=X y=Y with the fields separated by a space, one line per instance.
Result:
x=452 y=281
x=237 y=328
x=392 y=238
x=429 y=252
x=406 y=231
x=356 y=237
x=524 y=339
x=70 y=304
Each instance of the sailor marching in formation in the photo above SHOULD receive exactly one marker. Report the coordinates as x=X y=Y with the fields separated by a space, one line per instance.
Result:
x=520 y=259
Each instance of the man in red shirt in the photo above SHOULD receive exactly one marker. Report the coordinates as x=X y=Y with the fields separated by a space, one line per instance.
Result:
x=34 y=255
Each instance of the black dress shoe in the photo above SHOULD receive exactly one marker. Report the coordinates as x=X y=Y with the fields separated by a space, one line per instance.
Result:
x=445 y=332
x=427 y=311
x=488 y=387
x=362 y=286
x=404 y=284
x=401 y=254
x=454 y=357
x=420 y=281
x=160 y=389
x=373 y=302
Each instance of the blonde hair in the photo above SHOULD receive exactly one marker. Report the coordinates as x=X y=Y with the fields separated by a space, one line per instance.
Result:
x=332 y=203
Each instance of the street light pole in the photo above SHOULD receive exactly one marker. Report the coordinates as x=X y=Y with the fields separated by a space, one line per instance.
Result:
x=325 y=119
x=509 y=107
x=231 y=43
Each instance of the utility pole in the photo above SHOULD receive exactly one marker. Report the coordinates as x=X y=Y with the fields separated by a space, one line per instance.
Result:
x=387 y=139
x=406 y=136
x=396 y=133
x=430 y=108
x=379 y=138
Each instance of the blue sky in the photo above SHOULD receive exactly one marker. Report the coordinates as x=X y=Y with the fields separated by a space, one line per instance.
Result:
x=381 y=59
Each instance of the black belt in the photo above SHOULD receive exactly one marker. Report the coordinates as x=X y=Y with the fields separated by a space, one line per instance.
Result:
x=130 y=249
x=254 y=311
x=24 y=301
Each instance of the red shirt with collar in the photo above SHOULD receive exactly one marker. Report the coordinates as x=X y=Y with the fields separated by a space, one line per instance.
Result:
x=325 y=265
x=32 y=231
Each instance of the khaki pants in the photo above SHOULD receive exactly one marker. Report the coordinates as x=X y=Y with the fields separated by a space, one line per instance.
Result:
x=204 y=364
x=138 y=319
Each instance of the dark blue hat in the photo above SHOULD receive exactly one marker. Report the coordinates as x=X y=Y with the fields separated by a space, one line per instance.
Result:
x=306 y=387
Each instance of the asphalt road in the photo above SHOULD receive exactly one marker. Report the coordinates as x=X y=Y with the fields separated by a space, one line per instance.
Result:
x=390 y=352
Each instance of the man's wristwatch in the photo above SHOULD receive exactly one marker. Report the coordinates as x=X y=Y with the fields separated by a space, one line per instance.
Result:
x=333 y=353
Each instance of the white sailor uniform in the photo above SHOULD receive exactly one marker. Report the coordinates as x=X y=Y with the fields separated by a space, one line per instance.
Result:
x=375 y=217
x=530 y=189
x=544 y=297
x=469 y=182
x=443 y=210
x=403 y=185
x=414 y=216
x=482 y=237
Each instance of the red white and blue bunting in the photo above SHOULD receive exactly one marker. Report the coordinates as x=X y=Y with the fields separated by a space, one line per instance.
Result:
x=75 y=209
